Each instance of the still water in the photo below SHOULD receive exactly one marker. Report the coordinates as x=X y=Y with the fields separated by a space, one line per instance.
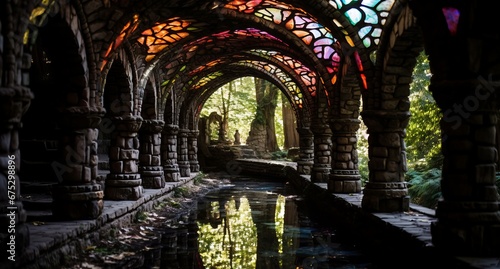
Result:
x=254 y=224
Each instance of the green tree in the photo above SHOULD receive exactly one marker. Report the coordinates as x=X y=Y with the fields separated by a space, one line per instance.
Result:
x=423 y=135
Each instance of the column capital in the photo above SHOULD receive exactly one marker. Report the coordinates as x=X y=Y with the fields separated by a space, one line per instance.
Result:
x=14 y=101
x=385 y=121
x=344 y=125
x=76 y=118
x=128 y=123
x=152 y=126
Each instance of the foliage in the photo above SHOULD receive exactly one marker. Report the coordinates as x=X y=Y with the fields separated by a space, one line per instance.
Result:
x=425 y=186
x=423 y=135
x=279 y=155
x=181 y=192
x=362 y=148
x=243 y=108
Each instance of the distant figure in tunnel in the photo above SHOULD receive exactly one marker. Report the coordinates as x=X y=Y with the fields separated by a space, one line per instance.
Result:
x=237 y=138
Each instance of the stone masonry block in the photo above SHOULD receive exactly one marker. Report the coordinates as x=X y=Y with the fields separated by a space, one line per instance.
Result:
x=145 y=159
x=116 y=167
x=114 y=153
x=129 y=154
x=155 y=160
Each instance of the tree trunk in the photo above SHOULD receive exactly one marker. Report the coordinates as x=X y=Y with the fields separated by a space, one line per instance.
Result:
x=267 y=105
x=289 y=125
x=262 y=136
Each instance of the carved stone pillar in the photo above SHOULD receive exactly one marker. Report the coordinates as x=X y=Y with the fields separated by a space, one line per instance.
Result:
x=344 y=176
x=387 y=189
x=306 y=151
x=322 y=153
x=468 y=212
x=169 y=153
x=78 y=195
x=193 y=150
x=150 y=153
x=124 y=181
x=183 y=156
x=15 y=234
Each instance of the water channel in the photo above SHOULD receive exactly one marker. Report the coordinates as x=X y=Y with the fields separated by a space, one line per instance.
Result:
x=253 y=224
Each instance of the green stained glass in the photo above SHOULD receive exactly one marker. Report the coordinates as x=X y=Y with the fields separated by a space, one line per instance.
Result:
x=377 y=32
x=367 y=42
x=371 y=16
x=353 y=15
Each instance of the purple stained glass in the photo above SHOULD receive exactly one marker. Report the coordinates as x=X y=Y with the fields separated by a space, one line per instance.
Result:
x=452 y=16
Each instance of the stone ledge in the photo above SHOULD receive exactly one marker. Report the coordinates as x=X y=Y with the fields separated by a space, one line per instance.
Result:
x=52 y=241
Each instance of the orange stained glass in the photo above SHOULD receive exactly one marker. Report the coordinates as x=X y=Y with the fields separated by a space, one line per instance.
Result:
x=243 y=6
x=363 y=79
x=162 y=35
x=129 y=28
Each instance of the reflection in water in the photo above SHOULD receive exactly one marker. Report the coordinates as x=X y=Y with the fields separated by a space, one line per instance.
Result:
x=232 y=241
x=255 y=226
x=250 y=225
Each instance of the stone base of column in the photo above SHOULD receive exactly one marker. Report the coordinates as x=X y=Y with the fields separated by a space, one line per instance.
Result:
x=184 y=168
x=171 y=173
x=304 y=167
x=123 y=187
x=320 y=174
x=152 y=177
x=467 y=228
x=194 y=166
x=77 y=202
x=344 y=181
x=386 y=197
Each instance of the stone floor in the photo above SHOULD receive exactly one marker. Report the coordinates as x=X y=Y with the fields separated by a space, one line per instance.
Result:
x=52 y=241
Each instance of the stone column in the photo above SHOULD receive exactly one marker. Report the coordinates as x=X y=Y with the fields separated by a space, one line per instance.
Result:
x=468 y=212
x=306 y=151
x=344 y=176
x=169 y=153
x=387 y=189
x=15 y=234
x=322 y=153
x=124 y=181
x=193 y=150
x=78 y=195
x=183 y=156
x=149 y=154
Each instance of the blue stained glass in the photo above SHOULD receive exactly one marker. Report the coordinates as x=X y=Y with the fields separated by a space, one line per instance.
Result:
x=371 y=16
x=353 y=15
x=347 y=2
x=370 y=3
x=316 y=33
x=385 y=5
x=314 y=26
x=377 y=32
x=364 y=31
